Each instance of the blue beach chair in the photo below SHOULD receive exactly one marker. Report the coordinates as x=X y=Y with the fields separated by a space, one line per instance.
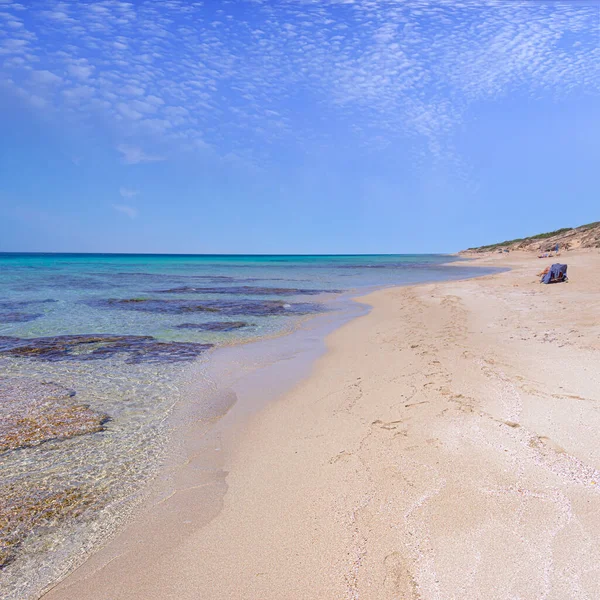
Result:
x=556 y=274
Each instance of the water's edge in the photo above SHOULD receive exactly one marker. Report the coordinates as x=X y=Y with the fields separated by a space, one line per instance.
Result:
x=219 y=393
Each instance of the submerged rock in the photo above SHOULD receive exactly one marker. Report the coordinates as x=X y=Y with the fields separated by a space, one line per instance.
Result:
x=18 y=317
x=239 y=306
x=248 y=290
x=265 y=308
x=139 y=348
x=17 y=305
x=24 y=511
x=214 y=326
x=141 y=277
x=158 y=352
x=150 y=305
x=33 y=412
x=62 y=281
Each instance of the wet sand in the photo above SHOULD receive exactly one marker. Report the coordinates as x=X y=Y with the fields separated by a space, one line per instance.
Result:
x=445 y=446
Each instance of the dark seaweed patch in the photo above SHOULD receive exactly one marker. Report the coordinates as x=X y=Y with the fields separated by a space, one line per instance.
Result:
x=17 y=305
x=155 y=277
x=264 y=308
x=150 y=305
x=214 y=326
x=241 y=306
x=248 y=291
x=138 y=348
x=18 y=317
x=71 y=282
x=177 y=279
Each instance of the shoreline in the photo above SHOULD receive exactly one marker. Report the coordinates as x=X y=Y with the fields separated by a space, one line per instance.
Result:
x=323 y=534
x=77 y=549
x=193 y=462
x=281 y=360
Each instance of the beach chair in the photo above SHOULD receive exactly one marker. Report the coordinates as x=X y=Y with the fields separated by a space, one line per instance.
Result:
x=557 y=273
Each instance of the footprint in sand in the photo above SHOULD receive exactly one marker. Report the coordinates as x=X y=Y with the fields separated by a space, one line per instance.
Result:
x=399 y=581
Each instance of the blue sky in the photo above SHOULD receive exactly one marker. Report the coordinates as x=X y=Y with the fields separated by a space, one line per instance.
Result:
x=300 y=126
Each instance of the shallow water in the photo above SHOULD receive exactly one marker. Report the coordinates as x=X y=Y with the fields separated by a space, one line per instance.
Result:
x=117 y=335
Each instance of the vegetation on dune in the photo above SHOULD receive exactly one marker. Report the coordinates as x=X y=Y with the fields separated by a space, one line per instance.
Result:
x=539 y=236
x=533 y=238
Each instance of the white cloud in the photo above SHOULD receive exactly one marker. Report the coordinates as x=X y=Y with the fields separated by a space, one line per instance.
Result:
x=141 y=106
x=132 y=90
x=56 y=15
x=80 y=71
x=128 y=192
x=125 y=209
x=45 y=77
x=133 y=155
x=14 y=46
x=157 y=71
x=128 y=112
x=78 y=94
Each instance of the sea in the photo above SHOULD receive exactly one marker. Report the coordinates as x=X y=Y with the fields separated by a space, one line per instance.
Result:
x=94 y=350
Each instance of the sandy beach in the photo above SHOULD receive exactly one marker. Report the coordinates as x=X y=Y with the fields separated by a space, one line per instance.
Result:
x=445 y=447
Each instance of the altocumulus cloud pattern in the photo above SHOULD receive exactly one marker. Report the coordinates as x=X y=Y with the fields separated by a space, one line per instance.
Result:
x=242 y=77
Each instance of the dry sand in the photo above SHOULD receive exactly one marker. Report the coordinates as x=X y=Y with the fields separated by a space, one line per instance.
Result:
x=446 y=447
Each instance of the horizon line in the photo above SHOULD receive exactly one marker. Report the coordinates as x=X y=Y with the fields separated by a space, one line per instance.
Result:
x=42 y=253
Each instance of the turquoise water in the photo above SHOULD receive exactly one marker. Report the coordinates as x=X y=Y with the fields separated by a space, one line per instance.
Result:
x=63 y=294
x=118 y=333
